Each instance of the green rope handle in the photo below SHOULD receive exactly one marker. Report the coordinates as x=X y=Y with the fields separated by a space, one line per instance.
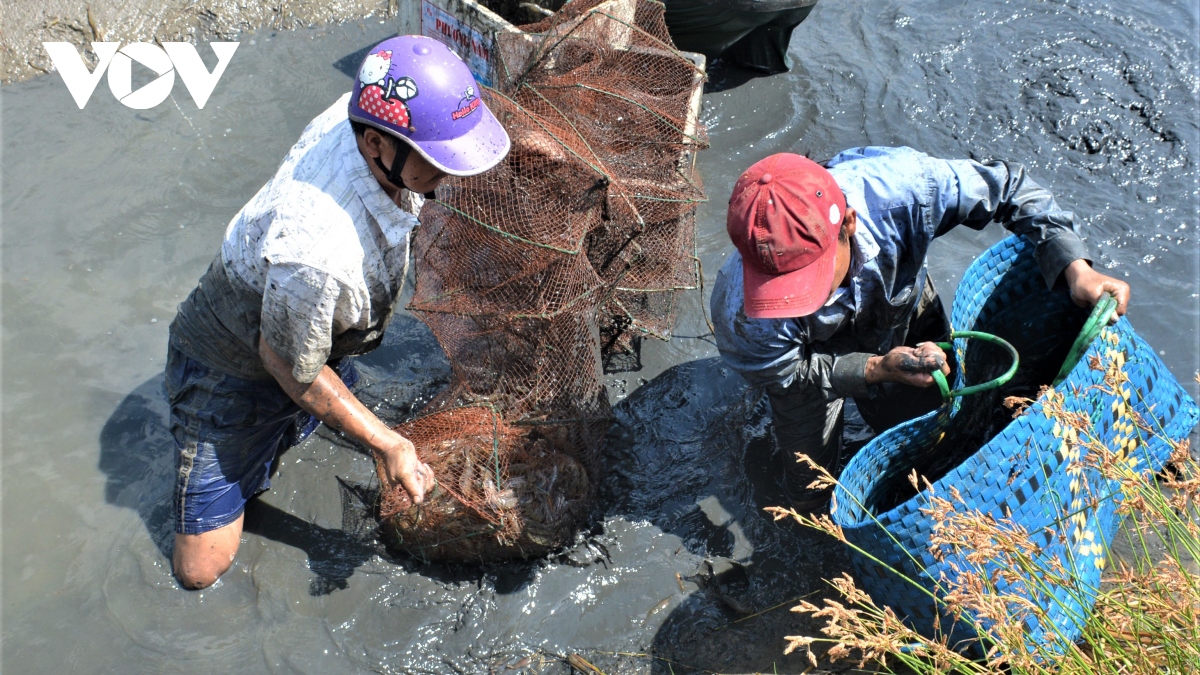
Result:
x=940 y=379
x=1101 y=313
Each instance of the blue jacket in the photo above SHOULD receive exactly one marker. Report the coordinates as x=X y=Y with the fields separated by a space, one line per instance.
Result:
x=904 y=199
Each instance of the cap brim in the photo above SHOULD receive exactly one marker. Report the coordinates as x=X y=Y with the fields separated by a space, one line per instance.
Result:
x=472 y=153
x=789 y=295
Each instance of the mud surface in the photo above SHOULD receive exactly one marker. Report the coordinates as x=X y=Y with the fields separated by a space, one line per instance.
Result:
x=110 y=216
x=29 y=23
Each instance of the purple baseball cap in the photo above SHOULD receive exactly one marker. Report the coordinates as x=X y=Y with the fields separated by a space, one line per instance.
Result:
x=416 y=89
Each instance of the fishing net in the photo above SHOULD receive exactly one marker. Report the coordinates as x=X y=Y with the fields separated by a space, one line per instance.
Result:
x=576 y=245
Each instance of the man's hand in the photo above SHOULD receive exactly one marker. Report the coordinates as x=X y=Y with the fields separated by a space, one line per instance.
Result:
x=328 y=398
x=1087 y=286
x=403 y=468
x=908 y=365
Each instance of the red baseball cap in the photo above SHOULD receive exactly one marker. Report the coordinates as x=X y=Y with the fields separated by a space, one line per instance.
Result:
x=784 y=217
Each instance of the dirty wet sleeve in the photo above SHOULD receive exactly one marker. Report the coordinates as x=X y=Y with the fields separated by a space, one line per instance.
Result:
x=975 y=194
x=839 y=376
x=836 y=376
x=297 y=316
x=775 y=353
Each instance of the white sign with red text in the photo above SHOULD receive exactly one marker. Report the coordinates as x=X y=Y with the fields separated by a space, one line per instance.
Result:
x=471 y=45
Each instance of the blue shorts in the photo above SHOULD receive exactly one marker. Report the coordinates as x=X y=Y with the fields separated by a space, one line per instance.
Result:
x=228 y=432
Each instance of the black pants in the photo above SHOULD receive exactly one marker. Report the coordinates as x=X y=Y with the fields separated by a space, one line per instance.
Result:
x=806 y=421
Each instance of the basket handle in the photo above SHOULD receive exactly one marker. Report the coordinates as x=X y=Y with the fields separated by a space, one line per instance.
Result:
x=1101 y=313
x=940 y=379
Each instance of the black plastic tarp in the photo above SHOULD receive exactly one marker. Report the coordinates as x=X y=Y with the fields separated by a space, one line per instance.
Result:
x=752 y=34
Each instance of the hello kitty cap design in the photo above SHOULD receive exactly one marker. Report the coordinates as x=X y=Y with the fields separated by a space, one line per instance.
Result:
x=375 y=67
x=415 y=99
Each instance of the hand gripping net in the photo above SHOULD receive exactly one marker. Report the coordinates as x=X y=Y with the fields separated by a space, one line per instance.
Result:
x=579 y=241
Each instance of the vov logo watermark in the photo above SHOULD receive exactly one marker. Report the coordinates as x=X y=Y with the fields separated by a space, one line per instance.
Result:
x=165 y=61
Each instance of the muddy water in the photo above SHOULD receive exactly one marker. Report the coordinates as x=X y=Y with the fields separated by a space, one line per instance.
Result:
x=110 y=216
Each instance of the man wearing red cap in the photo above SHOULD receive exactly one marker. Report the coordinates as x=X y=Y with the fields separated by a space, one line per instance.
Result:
x=828 y=294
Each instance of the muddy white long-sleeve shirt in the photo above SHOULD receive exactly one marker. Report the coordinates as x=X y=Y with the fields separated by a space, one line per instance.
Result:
x=313 y=263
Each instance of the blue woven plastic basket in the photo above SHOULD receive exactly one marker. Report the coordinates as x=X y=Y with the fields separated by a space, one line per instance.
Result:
x=1030 y=468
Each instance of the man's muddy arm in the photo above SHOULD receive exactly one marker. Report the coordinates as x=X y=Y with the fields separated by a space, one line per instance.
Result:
x=1003 y=192
x=328 y=399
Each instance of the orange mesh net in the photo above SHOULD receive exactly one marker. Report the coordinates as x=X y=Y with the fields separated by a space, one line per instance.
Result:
x=578 y=243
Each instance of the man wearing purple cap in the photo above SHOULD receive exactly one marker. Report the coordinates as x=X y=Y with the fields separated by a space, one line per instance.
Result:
x=828 y=294
x=307 y=276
